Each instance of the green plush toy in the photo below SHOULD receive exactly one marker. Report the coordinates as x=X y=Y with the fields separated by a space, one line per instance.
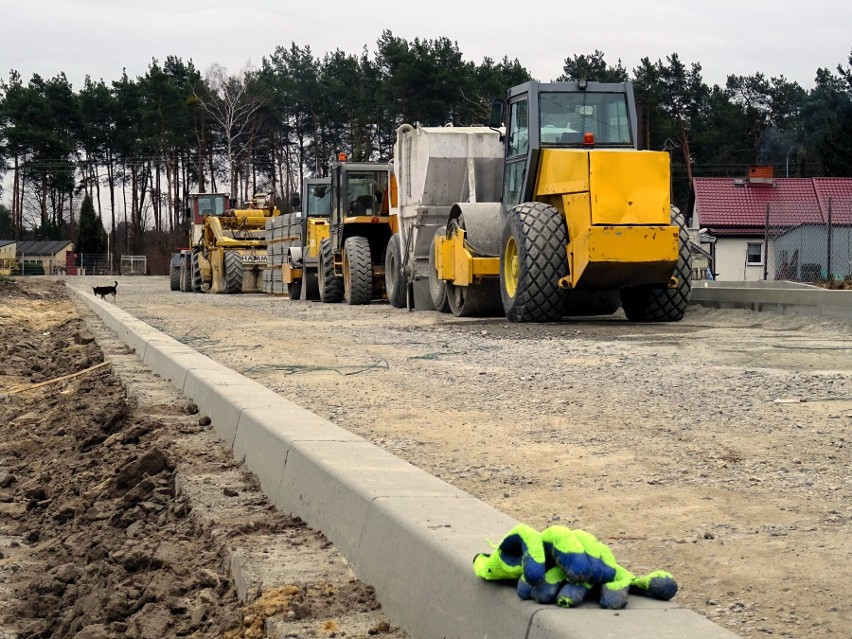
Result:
x=562 y=566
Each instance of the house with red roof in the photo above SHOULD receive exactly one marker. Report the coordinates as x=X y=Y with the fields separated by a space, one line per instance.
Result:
x=767 y=228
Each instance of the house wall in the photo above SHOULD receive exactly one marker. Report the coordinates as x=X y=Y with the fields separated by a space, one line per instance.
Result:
x=7 y=258
x=731 y=260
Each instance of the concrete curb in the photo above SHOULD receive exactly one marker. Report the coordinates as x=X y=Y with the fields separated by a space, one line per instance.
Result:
x=785 y=298
x=409 y=534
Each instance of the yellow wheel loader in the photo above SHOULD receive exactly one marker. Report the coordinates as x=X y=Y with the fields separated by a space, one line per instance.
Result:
x=351 y=258
x=580 y=223
x=301 y=236
x=228 y=246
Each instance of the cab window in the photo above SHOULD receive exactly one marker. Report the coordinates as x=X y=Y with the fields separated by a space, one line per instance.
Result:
x=365 y=191
x=518 y=129
x=211 y=205
x=566 y=117
x=319 y=201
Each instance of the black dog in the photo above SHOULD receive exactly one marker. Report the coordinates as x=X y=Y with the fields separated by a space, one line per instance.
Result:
x=103 y=291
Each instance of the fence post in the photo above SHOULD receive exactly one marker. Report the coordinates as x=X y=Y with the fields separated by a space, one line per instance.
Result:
x=766 y=246
x=828 y=247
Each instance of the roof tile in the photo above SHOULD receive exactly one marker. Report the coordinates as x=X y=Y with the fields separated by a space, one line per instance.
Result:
x=725 y=202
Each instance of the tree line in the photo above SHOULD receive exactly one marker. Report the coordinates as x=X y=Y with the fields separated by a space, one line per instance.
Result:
x=132 y=148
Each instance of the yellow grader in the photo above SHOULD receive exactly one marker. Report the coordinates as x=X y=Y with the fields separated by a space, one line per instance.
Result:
x=550 y=211
x=228 y=246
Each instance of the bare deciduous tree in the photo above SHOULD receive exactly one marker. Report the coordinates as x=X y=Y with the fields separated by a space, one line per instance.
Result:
x=231 y=105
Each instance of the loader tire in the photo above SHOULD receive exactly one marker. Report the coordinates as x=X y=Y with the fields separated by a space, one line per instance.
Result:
x=660 y=303
x=330 y=287
x=394 y=277
x=233 y=272
x=357 y=271
x=185 y=274
x=196 y=272
x=174 y=278
x=532 y=261
x=437 y=286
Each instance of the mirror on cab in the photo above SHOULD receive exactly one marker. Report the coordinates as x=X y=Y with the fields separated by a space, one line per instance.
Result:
x=295 y=201
x=496 y=120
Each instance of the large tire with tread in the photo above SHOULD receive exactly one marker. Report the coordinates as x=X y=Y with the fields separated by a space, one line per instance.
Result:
x=330 y=287
x=174 y=278
x=185 y=274
x=196 y=271
x=394 y=277
x=661 y=303
x=357 y=271
x=437 y=286
x=233 y=272
x=532 y=261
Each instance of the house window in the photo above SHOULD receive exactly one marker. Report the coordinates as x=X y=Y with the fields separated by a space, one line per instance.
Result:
x=754 y=254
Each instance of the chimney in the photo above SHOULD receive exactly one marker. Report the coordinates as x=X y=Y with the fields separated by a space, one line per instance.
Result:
x=761 y=175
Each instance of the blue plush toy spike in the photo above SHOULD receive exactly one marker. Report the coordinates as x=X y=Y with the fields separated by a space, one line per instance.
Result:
x=572 y=595
x=546 y=591
x=524 y=589
x=658 y=584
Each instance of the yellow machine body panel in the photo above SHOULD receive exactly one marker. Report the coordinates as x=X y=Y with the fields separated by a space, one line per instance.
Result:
x=629 y=187
x=290 y=273
x=455 y=263
x=617 y=209
x=563 y=171
x=318 y=230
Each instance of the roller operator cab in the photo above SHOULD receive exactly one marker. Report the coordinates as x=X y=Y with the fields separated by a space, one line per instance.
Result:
x=351 y=258
x=585 y=219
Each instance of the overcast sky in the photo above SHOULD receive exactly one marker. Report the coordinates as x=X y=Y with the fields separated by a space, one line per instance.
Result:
x=101 y=37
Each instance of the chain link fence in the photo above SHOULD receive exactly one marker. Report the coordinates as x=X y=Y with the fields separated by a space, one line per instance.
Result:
x=805 y=243
x=94 y=264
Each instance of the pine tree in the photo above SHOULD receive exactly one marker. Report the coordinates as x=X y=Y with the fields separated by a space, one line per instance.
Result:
x=91 y=237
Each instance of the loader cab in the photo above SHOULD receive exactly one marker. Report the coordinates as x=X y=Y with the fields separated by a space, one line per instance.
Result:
x=359 y=194
x=358 y=190
x=315 y=213
x=569 y=115
x=201 y=205
x=317 y=202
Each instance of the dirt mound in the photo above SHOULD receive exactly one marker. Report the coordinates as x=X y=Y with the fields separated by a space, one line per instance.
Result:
x=90 y=490
x=103 y=532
